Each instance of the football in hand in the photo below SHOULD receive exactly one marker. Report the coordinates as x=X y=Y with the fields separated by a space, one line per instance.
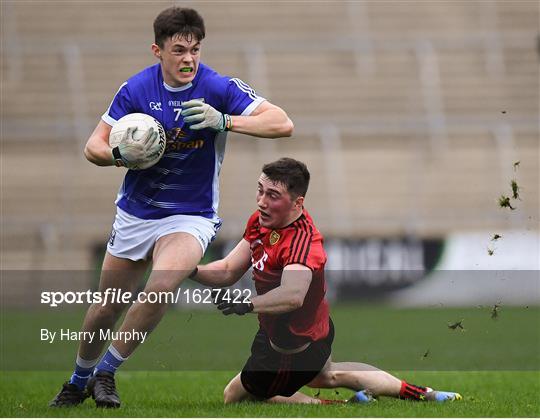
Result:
x=143 y=122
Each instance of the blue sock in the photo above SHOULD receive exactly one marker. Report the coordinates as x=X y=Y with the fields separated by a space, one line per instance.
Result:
x=111 y=360
x=83 y=371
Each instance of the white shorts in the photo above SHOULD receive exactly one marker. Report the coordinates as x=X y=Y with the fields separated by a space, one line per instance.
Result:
x=134 y=238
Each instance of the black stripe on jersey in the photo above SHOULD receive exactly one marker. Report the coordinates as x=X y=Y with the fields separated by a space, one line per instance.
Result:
x=305 y=238
x=303 y=255
x=295 y=243
x=297 y=237
x=309 y=240
x=302 y=242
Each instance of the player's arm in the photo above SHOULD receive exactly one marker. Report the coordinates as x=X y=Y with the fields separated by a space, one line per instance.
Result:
x=287 y=297
x=97 y=149
x=267 y=120
x=227 y=271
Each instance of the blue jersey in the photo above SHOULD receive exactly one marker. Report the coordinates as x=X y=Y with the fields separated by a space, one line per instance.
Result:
x=185 y=180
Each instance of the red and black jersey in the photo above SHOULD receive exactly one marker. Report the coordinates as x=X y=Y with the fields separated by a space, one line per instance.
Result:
x=271 y=251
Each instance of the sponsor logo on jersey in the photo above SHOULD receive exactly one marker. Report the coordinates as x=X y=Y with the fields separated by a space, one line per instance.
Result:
x=175 y=143
x=258 y=255
x=155 y=106
x=274 y=237
x=175 y=133
x=183 y=145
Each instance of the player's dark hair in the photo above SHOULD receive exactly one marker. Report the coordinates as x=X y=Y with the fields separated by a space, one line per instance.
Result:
x=289 y=172
x=178 y=21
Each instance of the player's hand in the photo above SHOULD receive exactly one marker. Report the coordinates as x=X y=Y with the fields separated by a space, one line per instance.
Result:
x=133 y=152
x=200 y=115
x=229 y=307
x=240 y=308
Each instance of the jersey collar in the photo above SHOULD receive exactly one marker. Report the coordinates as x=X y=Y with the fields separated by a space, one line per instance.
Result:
x=302 y=216
x=177 y=89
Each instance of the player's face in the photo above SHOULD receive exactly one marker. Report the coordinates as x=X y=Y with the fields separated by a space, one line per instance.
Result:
x=179 y=59
x=276 y=207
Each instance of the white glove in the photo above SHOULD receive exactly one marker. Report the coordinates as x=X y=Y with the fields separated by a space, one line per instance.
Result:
x=132 y=152
x=205 y=116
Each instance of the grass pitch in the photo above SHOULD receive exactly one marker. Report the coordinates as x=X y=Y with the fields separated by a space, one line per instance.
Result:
x=182 y=369
x=198 y=394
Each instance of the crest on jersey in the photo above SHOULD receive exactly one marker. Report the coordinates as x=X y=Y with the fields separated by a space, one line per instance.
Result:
x=274 y=237
x=175 y=134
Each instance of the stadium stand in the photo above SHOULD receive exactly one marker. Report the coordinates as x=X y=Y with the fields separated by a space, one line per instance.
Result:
x=410 y=115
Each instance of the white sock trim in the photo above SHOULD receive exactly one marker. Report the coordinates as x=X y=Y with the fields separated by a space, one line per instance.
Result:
x=116 y=354
x=86 y=364
x=83 y=377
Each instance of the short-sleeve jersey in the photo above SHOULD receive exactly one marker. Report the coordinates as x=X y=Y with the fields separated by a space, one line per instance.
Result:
x=271 y=251
x=185 y=180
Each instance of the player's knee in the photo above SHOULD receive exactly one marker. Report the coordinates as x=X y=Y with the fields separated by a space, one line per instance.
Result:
x=162 y=285
x=228 y=395
x=327 y=379
x=107 y=312
x=157 y=293
x=234 y=392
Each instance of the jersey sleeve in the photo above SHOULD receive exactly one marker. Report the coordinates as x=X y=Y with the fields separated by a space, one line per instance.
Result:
x=251 y=228
x=241 y=99
x=304 y=247
x=121 y=105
